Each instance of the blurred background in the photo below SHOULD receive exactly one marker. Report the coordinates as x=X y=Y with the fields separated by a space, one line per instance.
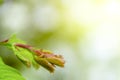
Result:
x=85 y=32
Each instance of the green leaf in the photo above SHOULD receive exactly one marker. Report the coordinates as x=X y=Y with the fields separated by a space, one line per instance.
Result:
x=33 y=56
x=9 y=73
x=11 y=41
x=22 y=54
x=25 y=56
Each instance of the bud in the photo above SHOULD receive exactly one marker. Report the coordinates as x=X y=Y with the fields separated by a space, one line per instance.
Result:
x=48 y=60
x=44 y=63
x=29 y=55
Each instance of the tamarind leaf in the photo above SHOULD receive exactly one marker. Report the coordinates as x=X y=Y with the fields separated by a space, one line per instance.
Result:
x=9 y=73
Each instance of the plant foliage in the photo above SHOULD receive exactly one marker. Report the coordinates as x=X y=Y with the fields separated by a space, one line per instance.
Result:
x=29 y=56
x=9 y=73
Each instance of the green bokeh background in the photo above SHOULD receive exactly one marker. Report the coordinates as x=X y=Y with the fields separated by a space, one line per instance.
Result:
x=73 y=32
